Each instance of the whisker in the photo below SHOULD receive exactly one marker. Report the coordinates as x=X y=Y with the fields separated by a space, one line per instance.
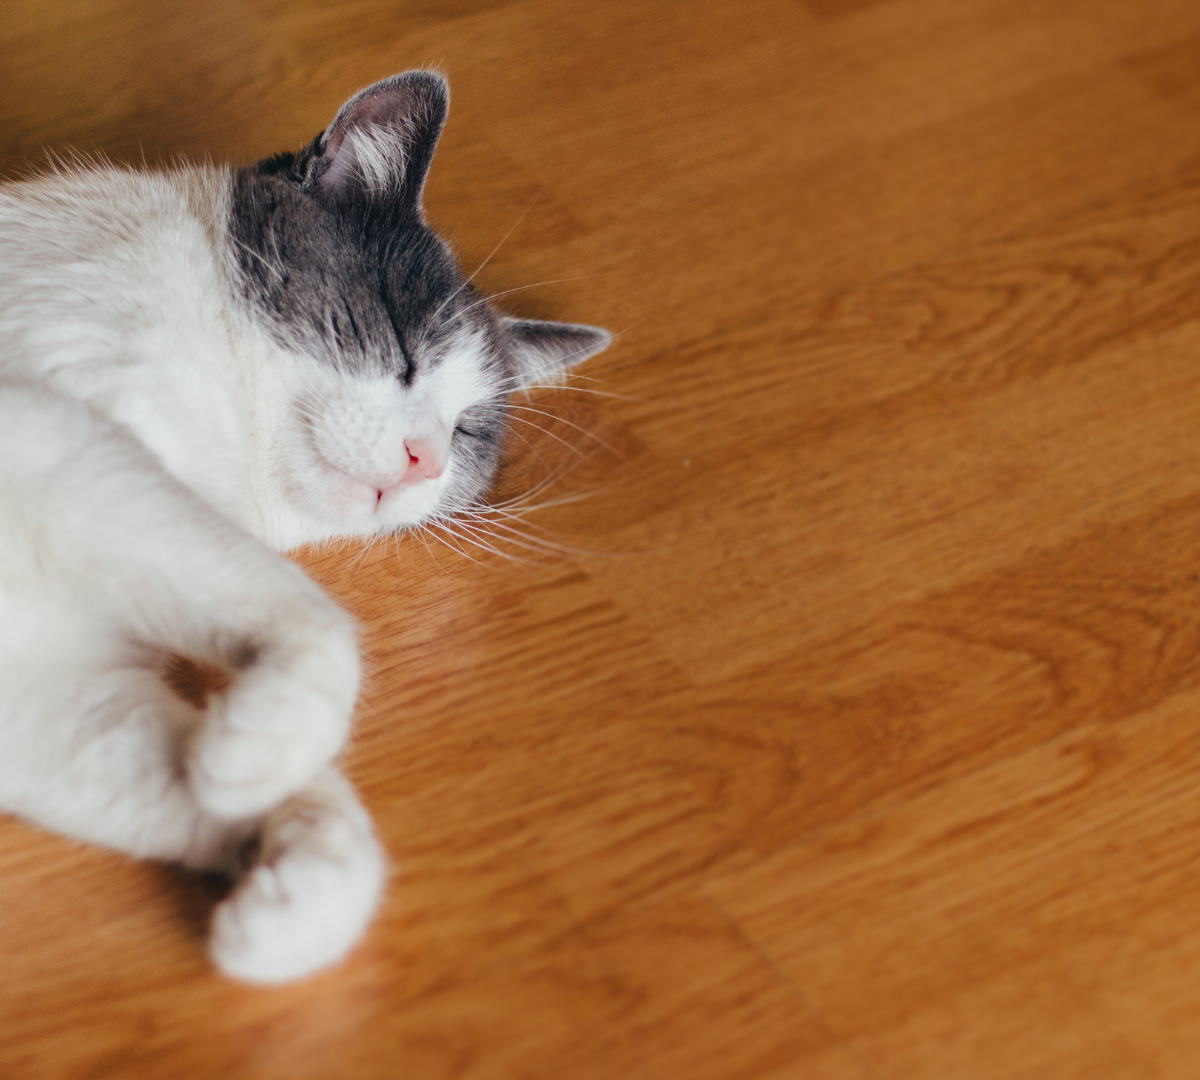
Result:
x=584 y=431
x=523 y=502
x=532 y=448
x=424 y=533
x=544 y=431
x=275 y=270
x=361 y=557
x=487 y=260
x=476 y=542
x=537 y=489
x=456 y=547
x=528 y=543
x=518 y=504
x=519 y=288
x=538 y=544
x=565 y=500
x=586 y=390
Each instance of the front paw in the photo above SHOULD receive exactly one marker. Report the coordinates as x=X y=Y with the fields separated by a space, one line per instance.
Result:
x=276 y=727
x=311 y=895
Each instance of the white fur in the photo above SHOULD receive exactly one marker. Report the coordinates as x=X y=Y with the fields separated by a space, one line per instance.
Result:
x=155 y=445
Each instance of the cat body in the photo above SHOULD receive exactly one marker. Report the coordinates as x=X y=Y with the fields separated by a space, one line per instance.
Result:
x=199 y=369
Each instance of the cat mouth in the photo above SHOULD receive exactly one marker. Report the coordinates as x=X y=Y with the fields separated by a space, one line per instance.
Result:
x=348 y=494
x=363 y=499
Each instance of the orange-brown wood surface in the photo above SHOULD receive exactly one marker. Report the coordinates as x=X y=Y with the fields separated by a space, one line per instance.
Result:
x=853 y=728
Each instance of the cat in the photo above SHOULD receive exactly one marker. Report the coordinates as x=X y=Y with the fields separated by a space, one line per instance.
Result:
x=201 y=368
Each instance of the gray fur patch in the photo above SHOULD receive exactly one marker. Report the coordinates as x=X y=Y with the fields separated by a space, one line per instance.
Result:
x=347 y=284
x=368 y=292
x=336 y=259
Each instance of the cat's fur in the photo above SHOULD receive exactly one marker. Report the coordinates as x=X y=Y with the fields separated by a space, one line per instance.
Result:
x=198 y=369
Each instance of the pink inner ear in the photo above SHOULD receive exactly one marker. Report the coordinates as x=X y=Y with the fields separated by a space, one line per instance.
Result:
x=378 y=108
x=343 y=164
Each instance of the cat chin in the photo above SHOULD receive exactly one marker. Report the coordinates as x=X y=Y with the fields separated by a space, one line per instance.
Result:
x=339 y=507
x=410 y=504
x=346 y=497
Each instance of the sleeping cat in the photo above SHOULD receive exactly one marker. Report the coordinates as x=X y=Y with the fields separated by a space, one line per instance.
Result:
x=199 y=369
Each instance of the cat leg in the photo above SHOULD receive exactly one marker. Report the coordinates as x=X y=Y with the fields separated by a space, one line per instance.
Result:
x=92 y=740
x=93 y=745
x=106 y=527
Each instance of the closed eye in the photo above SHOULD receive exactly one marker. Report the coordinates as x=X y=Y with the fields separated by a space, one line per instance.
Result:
x=406 y=376
x=482 y=423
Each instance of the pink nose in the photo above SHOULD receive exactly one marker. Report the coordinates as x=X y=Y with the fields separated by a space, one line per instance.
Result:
x=424 y=462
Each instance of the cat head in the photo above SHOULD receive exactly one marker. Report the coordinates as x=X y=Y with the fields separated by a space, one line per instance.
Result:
x=390 y=370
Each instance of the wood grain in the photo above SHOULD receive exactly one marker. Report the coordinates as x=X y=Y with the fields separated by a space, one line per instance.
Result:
x=843 y=723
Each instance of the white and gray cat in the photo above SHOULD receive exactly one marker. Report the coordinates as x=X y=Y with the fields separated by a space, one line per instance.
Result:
x=198 y=369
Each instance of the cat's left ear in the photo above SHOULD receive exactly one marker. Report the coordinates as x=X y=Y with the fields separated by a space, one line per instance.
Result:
x=381 y=143
x=541 y=351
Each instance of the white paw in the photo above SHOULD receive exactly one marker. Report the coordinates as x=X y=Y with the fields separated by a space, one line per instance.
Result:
x=310 y=899
x=276 y=727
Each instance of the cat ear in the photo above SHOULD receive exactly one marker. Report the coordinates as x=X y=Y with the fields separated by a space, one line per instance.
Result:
x=543 y=350
x=381 y=142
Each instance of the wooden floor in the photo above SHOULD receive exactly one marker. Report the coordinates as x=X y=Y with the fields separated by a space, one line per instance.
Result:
x=856 y=731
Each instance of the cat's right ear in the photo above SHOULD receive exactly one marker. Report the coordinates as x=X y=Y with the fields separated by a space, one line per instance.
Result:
x=540 y=351
x=381 y=143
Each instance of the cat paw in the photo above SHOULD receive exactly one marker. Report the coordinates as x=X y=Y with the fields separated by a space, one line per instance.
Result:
x=276 y=727
x=310 y=897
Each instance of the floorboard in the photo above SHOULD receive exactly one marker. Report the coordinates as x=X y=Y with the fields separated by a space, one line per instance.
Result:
x=844 y=725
